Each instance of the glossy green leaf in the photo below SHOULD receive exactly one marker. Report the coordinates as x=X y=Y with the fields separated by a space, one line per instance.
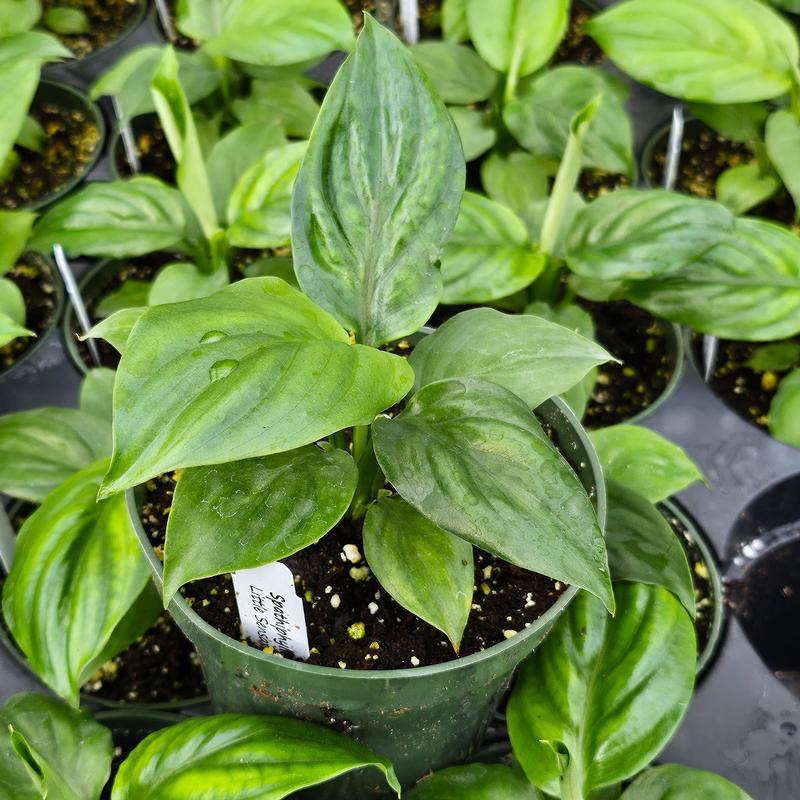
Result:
x=120 y=219
x=252 y=370
x=12 y=301
x=784 y=412
x=783 y=149
x=609 y=692
x=747 y=287
x=644 y=461
x=54 y=739
x=488 y=254
x=287 y=103
x=271 y=507
x=183 y=281
x=735 y=51
x=260 y=205
x=203 y=19
x=77 y=570
x=474 y=782
x=779 y=357
x=97 y=391
x=741 y=122
x=131 y=294
x=117 y=328
x=540 y=117
x=283 y=32
x=530 y=356
x=36 y=46
x=275 y=267
x=676 y=782
x=643 y=548
x=66 y=21
x=742 y=187
x=425 y=569
x=458 y=73
x=530 y=508
x=377 y=194
x=18 y=16
x=10 y=330
x=517 y=180
x=239 y=755
x=18 y=82
x=639 y=233
x=517 y=37
x=476 y=130
x=235 y=153
x=177 y=121
x=454 y=20
x=15 y=228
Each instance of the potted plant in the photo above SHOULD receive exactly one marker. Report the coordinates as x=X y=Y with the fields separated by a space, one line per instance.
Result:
x=380 y=283
x=115 y=652
x=52 y=135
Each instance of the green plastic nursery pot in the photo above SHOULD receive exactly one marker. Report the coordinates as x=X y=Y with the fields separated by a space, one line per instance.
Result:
x=421 y=719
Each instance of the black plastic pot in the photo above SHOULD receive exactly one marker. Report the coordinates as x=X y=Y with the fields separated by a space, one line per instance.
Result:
x=422 y=718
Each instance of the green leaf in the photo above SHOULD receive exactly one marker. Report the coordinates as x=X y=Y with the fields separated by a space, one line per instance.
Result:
x=377 y=194
x=54 y=739
x=40 y=448
x=476 y=130
x=32 y=46
x=611 y=691
x=541 y=115
x=778 y=357
x=66 y=21
x=643 y=548
x=676 y=782
x=184 y=281
x=784 y=412
x=131 y=294
x=744 y=186
x=747 y=287
x=427 y=570
x=117 y=328
x=275 y=267
x=454 y=20
x=735 y=51
x=97 y=391
x=252 y=370
x=641 y=233
x=517 y=180
x=287 y=103
x=12 y=302
x=517 y=37
x=240 y=755
x=175 y=115
x=531 y=509
x=203 y=19
x=15 y=228
x=18 y=16
x=531 y=357
x=120 y=219
x=457 y=72
x=282 y=32
x=783 y=149
x=235 y=153
x=10 y=330
x=792 y=6
x=18 y=82
x=77 y=570
x=474 y=782
x=644 y=461
x=270 y=507
x=260 y=205
x=488 y=255
x=742 y=122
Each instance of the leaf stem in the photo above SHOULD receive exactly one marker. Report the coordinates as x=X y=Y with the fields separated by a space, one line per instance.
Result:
x=572 y=783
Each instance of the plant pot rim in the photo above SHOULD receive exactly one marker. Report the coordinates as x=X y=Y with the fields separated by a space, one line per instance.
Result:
x=99 y=120
x=90 y=58
x=41 y=340
x=186 y=611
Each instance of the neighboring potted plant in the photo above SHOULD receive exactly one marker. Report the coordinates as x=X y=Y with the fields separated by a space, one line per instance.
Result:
x=379 y=282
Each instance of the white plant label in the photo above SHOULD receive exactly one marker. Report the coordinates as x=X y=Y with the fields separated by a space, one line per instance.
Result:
x=271 y=613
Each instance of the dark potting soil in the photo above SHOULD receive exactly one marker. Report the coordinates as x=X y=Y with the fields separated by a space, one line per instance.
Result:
x=746 y=391
x=161 y=666
x=352 y=622
x=380 y=9
x=577 y=45
x=71 y=139
x=155 y=157
x=35 y=279
x=107 y=19
x=635 y=337
x=180 y=41
x=701 y=577
x=593 y=183
x=704 y=157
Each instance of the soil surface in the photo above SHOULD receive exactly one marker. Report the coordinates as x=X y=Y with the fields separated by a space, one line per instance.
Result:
x=71 y=139
x=577 y=45
x=35 y=279
x=155 y=157
x=747 y=391
x=352 y=622
x=108 y=19
x=593 y=183
x=705 y=156
x=180 y=41
x=636 y=338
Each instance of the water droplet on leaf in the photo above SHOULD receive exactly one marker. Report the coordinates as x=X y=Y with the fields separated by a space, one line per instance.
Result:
x=222 y=368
